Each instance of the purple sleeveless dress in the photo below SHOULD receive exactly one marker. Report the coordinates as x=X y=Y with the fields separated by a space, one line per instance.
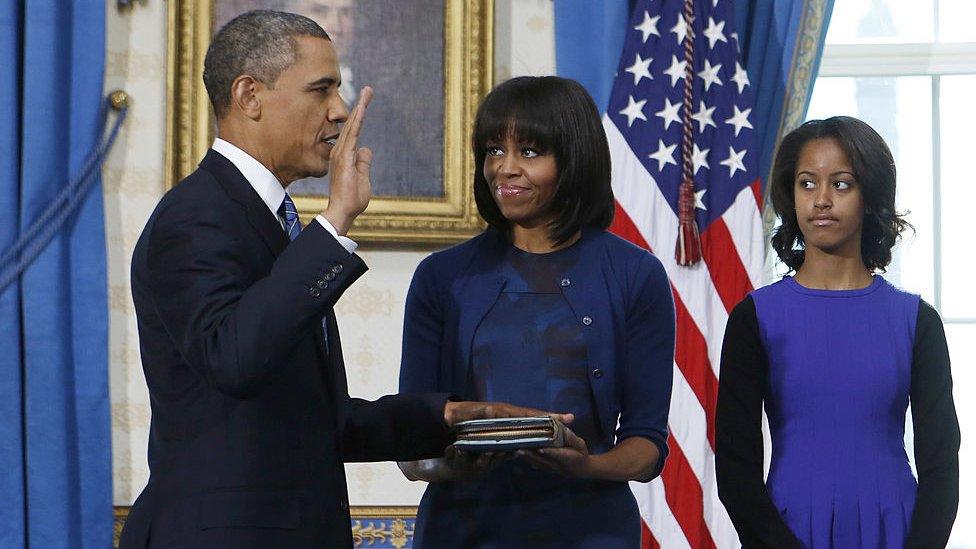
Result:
x=840 y=371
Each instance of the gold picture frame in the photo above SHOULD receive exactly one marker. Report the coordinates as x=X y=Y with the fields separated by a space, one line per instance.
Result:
x=467 y=71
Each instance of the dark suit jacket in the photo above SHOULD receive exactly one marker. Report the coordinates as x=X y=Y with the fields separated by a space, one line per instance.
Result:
x=251 y=418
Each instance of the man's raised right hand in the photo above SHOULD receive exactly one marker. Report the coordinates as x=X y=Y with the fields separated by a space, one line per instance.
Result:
x=349 y=165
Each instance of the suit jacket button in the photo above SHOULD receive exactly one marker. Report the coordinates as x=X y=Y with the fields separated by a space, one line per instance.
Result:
x=564 y=282
x=329 y=275
x=598 y=373
x=314 y=292
x=321 y=284
x=344 y=505
x=587 y=321
x=337 y=269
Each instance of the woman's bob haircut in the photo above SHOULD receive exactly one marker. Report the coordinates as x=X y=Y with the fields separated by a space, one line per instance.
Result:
x=874 y=173
x=553 y=115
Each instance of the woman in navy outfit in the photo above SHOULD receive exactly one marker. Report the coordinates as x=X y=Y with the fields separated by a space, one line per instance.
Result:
x=836 y=354
x=547 y=310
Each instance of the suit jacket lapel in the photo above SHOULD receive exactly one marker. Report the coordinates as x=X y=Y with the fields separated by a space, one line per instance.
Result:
x=241 y=191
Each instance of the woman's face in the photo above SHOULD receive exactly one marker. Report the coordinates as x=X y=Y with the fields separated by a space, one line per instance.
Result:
x=828 y=200
x=522 y=181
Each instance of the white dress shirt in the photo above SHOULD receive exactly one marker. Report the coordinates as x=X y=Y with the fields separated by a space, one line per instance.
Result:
x=268 y=187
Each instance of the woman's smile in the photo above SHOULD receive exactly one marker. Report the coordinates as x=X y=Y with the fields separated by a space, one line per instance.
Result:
x=508 y=190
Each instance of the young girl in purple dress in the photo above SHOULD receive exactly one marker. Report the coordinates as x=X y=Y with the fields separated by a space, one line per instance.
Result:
x=836 y=354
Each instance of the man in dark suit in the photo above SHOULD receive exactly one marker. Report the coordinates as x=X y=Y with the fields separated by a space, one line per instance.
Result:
x=251 y=418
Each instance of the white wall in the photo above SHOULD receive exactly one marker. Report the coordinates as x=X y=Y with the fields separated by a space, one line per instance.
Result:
x=133 y=181
x=370 y=313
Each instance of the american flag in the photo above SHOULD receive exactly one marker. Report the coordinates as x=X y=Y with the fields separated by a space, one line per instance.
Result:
x=680 y=116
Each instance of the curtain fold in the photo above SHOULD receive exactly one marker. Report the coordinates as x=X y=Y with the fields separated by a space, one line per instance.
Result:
x=589 y=37
x=11 y=375
x=56 y=443
x=782 y=42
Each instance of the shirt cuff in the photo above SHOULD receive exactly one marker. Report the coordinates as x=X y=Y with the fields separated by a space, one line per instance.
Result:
x=347 y=243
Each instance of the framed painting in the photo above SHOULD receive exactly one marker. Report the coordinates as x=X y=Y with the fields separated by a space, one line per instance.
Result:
x=429 y=62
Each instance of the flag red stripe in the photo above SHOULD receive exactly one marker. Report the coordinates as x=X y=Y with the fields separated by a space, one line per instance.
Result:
x=624 y=227
x=682 y=488
x=691 y=349
x=682 y=509
x=683 y=492
x=647 y=538
x=691 y=356
x=724 y=264
x=757 y=192
x=744 y=221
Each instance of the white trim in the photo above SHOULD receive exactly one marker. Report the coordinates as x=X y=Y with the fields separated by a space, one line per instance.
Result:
x=898 y=59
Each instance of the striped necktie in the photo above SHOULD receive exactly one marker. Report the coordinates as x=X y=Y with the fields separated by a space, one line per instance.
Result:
x=288 y=212
x=293 y=227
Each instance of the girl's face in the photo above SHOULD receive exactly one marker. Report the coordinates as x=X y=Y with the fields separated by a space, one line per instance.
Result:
x=522 y=180
x=828 y=200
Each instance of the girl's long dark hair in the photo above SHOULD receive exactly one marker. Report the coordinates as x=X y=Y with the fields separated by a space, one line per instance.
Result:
x=874 y=171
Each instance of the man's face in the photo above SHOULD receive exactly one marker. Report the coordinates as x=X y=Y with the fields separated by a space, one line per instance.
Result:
x=300 y=115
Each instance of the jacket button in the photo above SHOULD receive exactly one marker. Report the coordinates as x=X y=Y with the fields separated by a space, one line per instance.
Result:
x=344 y=505
x=587 y=321
x=314 y=292
x=598 y=373
x=337 y=269
x=564 y=282
x=329 y=275
x=321 y=284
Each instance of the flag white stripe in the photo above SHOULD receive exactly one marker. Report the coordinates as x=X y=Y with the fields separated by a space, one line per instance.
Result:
x=657 y=223
x=638 y=194
x=657 y=515
x=689 y=427
x=744 y=221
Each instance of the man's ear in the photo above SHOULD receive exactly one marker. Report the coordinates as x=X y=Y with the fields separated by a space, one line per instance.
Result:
x=244 y=96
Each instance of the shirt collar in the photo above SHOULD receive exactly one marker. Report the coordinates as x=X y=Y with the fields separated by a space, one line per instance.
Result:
x=261 y=179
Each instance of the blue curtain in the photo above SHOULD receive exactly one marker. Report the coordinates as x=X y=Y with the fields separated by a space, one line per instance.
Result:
x=781 y=40
x=589 y=39
x=55 y=444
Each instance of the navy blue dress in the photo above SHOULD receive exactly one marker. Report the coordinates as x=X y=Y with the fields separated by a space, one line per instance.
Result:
x=529 y=350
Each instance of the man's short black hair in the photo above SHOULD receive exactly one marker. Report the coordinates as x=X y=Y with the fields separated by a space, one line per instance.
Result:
x=874 y=172
x=260 y=43
x=556 y=116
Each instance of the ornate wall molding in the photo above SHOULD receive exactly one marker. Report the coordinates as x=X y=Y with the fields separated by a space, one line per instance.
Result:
x=373 y=527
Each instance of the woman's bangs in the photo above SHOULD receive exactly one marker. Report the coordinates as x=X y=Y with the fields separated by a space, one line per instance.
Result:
x=529 y=124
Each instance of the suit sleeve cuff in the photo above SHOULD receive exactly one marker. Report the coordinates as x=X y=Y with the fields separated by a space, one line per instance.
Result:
x=347 y=243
